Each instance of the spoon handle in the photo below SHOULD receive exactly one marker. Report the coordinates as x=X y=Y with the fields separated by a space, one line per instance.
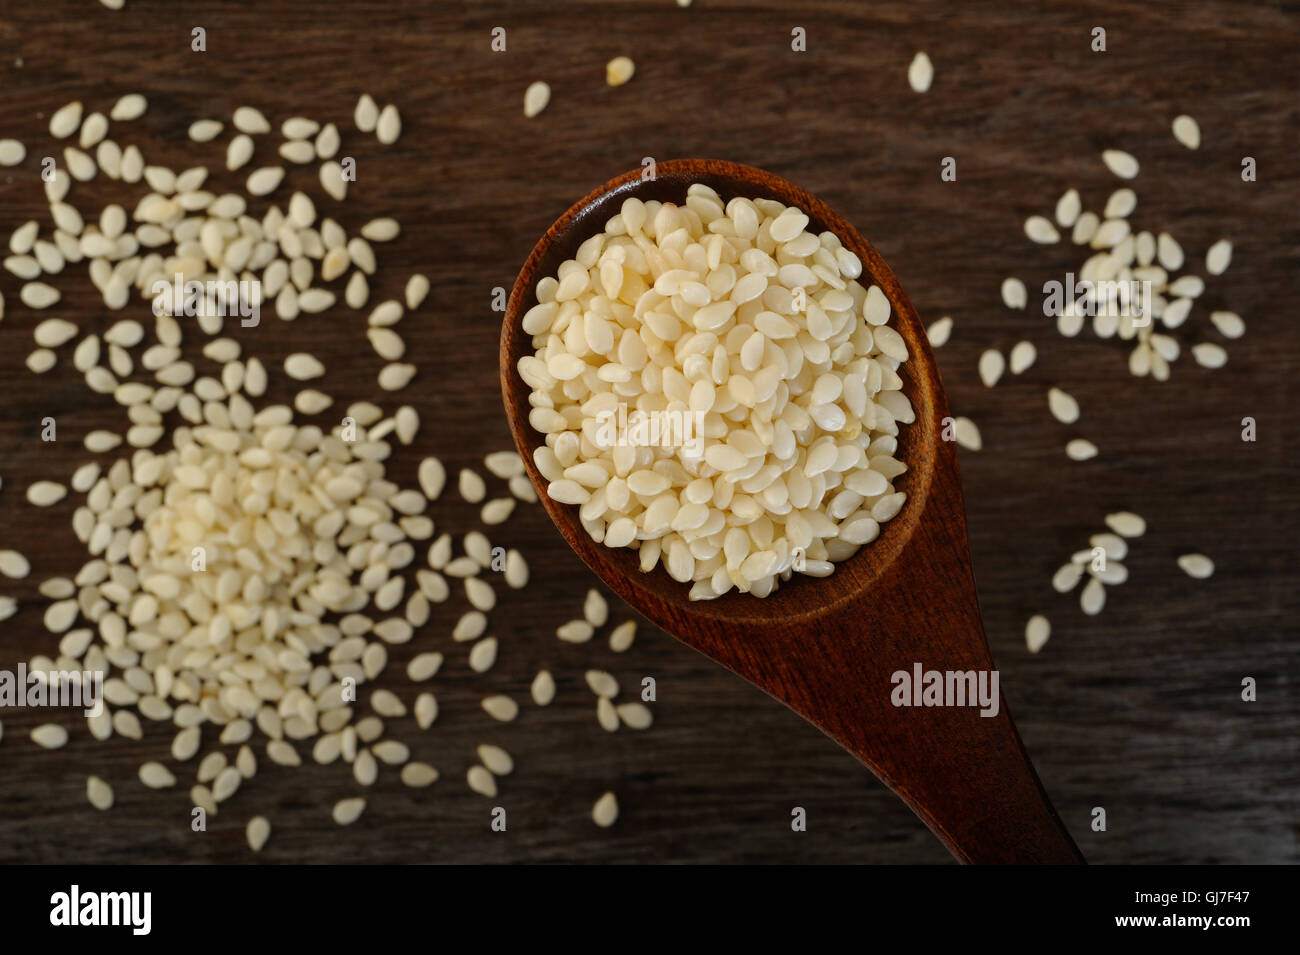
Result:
x=965 y=774
x=962 y=768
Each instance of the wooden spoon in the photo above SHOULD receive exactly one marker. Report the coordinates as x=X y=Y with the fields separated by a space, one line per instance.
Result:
x=828 y=648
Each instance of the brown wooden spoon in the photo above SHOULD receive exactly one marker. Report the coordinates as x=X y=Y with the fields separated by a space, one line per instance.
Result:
x=828 y=648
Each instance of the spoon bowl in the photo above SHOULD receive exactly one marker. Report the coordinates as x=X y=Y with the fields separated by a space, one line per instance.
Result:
x=832 y=648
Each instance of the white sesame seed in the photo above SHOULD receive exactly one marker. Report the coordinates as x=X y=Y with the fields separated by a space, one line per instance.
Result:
x=426 y=710
x=496 y=759
x=1039 y=229
x=483 y=655
x=156 y=775
x=391 y=752
x=239 y=152
x=387 y=344
x=45 y=493
x=99 y=793
x=264 y=181
x=595 y=610
x=920 y=73
x=1022 y=357
x=129 y=107
x=575 y=631
x=417 y=289
x=991 y=366
x=635 y=716
x=1063 y=406
x=967 y=434
x=303 y=367
x=282 y=753
x=38 y=295
x=1187 y=132
x=1126 y=524
x=205 y=130
x=249 y=119
x=939 y=332
x=471 y=486
x=602 y=683
x=418 y=775
x=1080 y=449
x=365 y=769
x=1014 y=294
x=1066 y=577
x=12 y=152
x=297 y=151
x=299 y=127
x=536 y=98
x=389 y=125
x=1218 y=257
x=328 y=142
x=385 y=314
x=621 y=637
x=309 y=401
x=1085 y=227
x=1120 y=163
x=1121 y=204
x=65 y=121
x=607 y=715
x=40 y=361
x=543 y=688
x=348 y=811
x=257 y=832
x=500 y=707
x=481 y=781
x=381 y=230
x=49 y=736
x=211 y=766
x=1209 y=355
x=619 y=70
x=605 y=811
x=395 y=377
x=1068 y=208
x=1093 y=597
x=366 y=115
x=1037 y=630
x=1197 y=566
x=1229 y=324
x=226 y=783
x=516 y=570
x=497 y=511
x=186 y=744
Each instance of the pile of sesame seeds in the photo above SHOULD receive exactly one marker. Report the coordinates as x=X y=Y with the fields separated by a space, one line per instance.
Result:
x=248 y=568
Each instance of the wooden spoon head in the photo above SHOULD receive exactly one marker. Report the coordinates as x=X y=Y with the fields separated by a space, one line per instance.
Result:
x=656 y=595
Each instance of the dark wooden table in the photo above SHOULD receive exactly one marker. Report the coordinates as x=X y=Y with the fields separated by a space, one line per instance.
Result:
x=1136 y=711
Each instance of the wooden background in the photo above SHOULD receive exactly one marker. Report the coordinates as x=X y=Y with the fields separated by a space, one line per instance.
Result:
x=1136 y=711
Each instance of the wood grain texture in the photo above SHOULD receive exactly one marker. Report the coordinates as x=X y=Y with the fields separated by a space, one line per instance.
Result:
x=1136 y=710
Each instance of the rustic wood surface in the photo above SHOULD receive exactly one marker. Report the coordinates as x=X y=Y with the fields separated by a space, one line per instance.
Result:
x=1136 y=710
